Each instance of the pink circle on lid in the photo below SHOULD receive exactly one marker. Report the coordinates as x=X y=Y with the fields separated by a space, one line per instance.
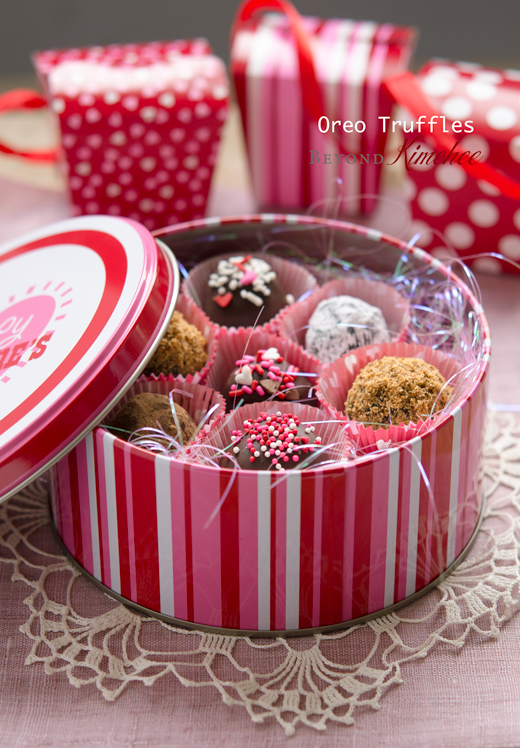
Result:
x=82 y=304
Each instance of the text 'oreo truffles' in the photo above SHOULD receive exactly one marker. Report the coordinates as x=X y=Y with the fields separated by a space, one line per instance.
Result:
x=276 y=442
x=238 y=289
x=265 y=376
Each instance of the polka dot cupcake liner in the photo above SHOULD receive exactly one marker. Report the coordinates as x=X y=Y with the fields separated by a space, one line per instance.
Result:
x=337 y=379
x=294 y=279
x=331 y=432
x=234 y=344
x=292 y=322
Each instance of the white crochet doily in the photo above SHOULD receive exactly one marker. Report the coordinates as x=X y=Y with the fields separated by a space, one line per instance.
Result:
x=77 y=629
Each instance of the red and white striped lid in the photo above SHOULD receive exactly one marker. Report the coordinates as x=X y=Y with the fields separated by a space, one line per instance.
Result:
x=83 y=305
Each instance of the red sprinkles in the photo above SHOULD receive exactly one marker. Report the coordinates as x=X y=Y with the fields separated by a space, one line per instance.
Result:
x=275 y=437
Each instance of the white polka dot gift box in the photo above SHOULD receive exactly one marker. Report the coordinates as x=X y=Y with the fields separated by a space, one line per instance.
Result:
x=140 y=126
x=473 y=214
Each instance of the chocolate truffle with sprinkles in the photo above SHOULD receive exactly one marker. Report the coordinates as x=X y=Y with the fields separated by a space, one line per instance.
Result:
x=342 y=323
x=267 y=376
x=395 y=390
x=239 y=287
x=276 y=441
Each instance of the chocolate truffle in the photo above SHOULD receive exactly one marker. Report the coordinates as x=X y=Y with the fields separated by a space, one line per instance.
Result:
x=276 y=442
x=151 y=410
x=342 y=323
x=396 y=390
x=239 y=287
x=266 y=376
x=182 y=350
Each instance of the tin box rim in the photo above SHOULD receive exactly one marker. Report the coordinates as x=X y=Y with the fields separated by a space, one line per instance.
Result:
x=419 y=254
x=374 y=234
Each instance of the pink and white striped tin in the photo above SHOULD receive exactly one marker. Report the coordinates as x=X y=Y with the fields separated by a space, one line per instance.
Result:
x=320 y=548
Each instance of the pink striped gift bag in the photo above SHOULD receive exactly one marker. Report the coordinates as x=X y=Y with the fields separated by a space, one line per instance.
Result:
x=294 y=77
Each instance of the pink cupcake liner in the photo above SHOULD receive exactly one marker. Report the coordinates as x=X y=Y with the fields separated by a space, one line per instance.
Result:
x=294 y=278
x=196 y=317
x=233 y=344
x=332 y=432
x=293 y=321
x=194 y=397
x=337 y=378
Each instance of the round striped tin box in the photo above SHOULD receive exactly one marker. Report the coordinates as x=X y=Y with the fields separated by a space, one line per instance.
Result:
x=321 y=549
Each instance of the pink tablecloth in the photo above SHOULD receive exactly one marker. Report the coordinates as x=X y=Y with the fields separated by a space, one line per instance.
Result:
x=454 y=697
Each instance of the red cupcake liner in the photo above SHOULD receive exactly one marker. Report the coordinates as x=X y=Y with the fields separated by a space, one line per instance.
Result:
x=295 y=279
x=292 y=322
x=233 y=344
x=337 y=378
x=196 y=317
x=332 y=432
x=194 y=397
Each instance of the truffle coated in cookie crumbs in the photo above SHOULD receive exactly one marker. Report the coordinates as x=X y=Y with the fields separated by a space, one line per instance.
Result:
x=182 y=350
x=395 y=390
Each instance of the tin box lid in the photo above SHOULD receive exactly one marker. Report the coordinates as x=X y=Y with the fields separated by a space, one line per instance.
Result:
x=83 y=305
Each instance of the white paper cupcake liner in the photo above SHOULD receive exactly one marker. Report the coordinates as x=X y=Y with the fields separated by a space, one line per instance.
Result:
x=295 y=279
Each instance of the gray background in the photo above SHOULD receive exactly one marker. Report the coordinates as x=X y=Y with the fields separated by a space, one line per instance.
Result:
x=471 y=30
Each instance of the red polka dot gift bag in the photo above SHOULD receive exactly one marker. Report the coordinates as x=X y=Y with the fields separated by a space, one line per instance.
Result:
x=140 y=126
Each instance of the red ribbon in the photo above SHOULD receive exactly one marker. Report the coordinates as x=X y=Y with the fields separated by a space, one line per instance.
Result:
x=311 y=92
x=23 y=98
x=404 y=88
x=407 y=91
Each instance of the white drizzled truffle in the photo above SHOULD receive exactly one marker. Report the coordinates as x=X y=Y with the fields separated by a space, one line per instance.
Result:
x=234 y=272
x=340 y=324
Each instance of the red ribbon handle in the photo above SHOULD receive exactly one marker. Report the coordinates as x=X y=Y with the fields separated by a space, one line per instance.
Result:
x=24 y=98
x=407 y=91
x=311 y=92
x=404 y=88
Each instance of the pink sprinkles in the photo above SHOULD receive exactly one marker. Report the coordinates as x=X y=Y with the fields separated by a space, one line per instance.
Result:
x=264 y=368
x=275 y=437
